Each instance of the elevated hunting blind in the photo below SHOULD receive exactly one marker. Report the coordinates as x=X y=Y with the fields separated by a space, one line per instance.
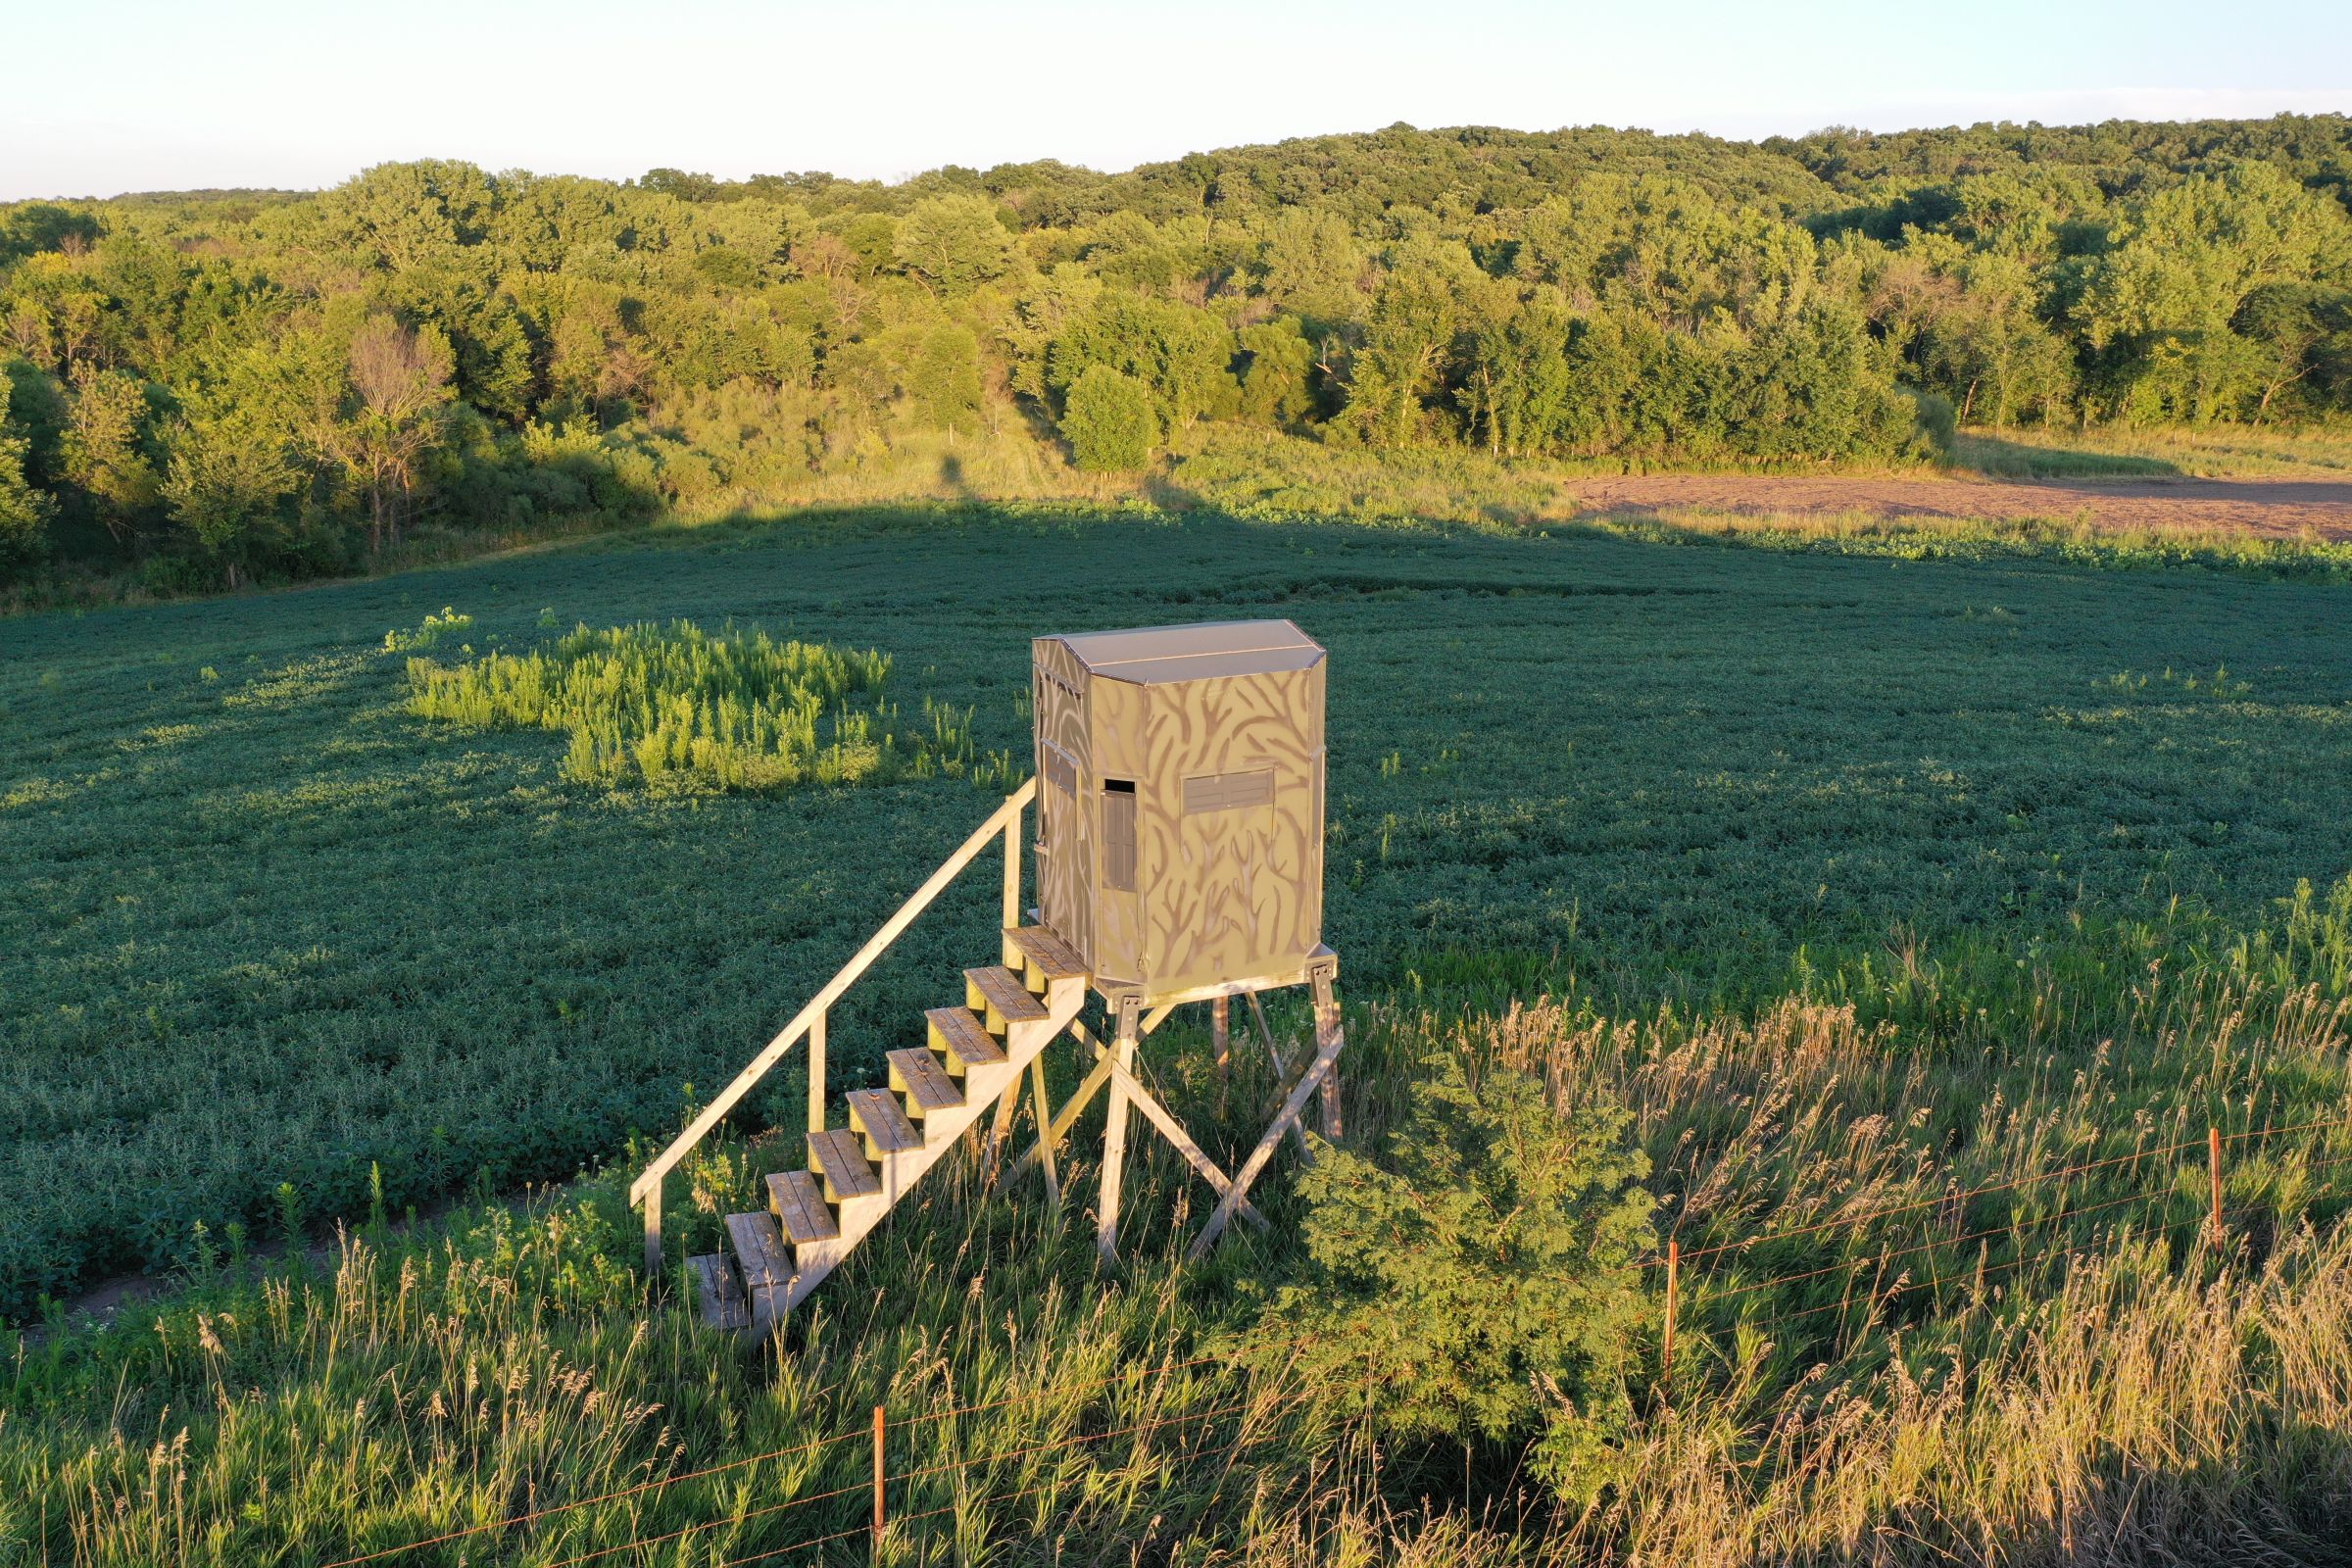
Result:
x=1179 y=851
x=1180 y=821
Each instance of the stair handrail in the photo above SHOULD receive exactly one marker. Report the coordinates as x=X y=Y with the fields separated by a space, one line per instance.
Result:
x=810 y=1022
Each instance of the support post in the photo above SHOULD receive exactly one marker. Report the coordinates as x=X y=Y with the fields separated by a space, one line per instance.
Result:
x=1115 y=1130
x=1043 y=1107
x=1674 y=1269
x=2213 y=1147
x=653 y=1232
x=1329 y=1040
x=1012 y=872
x=1000 y=1129
x=817 y=1074
x=1080 y=1098
x=880 y=1519
x=1221 y=1038
x=1169 y=1127
x=1265 y=1032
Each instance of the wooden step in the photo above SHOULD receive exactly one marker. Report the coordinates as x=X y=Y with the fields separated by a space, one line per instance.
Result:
x=922 y=1083
x=1042 y=956
x=958 y=1033
x=838 y=1157
x=766 y=1266
x=882 y=1122
x=800 y=1208
x=997 y=994
x=721 y=1295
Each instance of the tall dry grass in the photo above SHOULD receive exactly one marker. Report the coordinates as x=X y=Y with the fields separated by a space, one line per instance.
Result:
x=2131 y=1415
x=2086 y=1383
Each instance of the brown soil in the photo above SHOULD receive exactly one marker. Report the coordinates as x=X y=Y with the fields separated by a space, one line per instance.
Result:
x=2270 y=508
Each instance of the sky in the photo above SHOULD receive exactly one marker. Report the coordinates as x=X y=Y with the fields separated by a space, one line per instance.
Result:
x=105 y=96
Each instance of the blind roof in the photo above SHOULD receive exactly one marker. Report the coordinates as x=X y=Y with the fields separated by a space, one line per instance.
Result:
x=1155 y=656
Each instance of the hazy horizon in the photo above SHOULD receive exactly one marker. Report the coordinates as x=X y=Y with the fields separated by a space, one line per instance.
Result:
x=905 y=175
x=266 y=94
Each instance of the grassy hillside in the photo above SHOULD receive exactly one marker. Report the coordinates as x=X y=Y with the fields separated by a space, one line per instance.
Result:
x=1861 y=881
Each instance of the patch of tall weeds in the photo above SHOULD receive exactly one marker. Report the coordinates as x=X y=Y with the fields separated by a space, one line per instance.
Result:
x=676 y=706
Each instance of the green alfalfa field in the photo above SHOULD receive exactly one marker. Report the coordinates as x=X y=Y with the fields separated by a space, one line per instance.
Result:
x=1873 y=890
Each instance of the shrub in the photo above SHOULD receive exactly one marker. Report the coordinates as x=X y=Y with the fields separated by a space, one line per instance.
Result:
x=1480 y=1281
x=1108 y=420
x=1935 y=426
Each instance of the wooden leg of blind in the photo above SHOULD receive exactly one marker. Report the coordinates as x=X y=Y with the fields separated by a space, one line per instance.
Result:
x=1114 y=1134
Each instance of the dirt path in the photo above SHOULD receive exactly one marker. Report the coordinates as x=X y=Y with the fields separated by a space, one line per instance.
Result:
x=2271 y=507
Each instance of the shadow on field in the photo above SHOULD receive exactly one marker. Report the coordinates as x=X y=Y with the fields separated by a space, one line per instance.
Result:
x=2125 y=1515
x=2002 y=458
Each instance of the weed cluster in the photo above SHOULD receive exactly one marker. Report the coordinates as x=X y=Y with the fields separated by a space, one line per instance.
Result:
x=676 y=705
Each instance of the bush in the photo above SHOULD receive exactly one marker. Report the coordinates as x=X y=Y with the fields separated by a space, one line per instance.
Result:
x=1108 y=420
x=1482 y=1281
x=1933 y=426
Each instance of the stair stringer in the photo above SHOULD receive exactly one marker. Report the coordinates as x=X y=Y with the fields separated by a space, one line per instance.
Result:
x=812 y=1261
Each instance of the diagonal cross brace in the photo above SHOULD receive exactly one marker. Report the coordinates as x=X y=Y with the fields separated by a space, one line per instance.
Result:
x=1106 y=1069
x=1058 y=1128
x=1181 y=1140
x=1309 y=1082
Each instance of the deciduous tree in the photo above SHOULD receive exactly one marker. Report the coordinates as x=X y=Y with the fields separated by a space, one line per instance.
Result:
x=388 y=414
x=229 y=473
x=106 y=452
x=23 y=509
x=953 y=244
x=1109 y=421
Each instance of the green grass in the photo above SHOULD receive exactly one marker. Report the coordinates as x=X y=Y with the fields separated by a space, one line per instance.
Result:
x=1860 y=879
x=1234 y=471
x=267 y=928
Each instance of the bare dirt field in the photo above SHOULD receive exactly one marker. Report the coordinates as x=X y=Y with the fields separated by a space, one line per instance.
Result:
x=2270 y=508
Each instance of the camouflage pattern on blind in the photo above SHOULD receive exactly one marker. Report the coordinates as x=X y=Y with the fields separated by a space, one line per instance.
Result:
x=1220 y=728
x=1229 y=792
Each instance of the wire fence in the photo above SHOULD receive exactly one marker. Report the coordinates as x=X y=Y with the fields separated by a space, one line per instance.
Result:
x=2214 y=1220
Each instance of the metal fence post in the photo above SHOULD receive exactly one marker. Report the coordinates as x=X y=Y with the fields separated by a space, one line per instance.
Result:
x=879 y=1517
x=2213 y=1144
x=1674 y=1269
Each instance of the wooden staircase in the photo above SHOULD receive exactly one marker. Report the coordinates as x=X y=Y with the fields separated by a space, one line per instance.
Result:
x=972 y=1060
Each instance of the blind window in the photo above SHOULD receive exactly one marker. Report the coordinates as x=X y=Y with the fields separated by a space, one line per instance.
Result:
x=1228 y=792
x=1118 y=834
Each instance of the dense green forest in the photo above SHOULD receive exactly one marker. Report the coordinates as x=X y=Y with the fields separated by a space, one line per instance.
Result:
x=213 y=386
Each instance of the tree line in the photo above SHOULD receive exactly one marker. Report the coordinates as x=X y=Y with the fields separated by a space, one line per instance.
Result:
x=213 y=386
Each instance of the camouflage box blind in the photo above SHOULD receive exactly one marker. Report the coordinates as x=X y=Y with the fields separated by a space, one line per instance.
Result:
x=1180 y=813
